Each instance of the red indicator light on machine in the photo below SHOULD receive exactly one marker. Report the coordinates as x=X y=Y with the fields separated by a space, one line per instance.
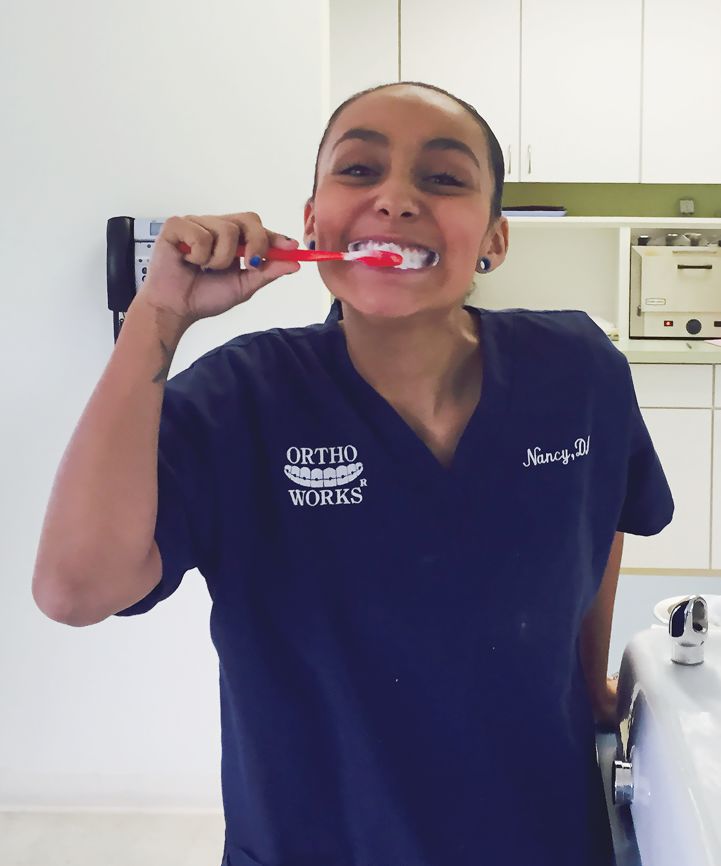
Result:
x=668 y=323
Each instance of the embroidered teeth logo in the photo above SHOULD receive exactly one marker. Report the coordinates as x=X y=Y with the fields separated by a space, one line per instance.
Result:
x=328 y=477
x=323 y=475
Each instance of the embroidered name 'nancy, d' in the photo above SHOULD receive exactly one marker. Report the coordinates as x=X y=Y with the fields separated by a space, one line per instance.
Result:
x=537 y=457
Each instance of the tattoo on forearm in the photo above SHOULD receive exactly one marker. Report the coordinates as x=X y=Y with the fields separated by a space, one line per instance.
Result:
x=162 y=374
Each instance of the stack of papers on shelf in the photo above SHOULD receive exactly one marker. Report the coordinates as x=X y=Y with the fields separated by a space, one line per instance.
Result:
x=534 y=210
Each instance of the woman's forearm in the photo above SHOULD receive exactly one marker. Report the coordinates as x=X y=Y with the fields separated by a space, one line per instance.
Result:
x=596 y=637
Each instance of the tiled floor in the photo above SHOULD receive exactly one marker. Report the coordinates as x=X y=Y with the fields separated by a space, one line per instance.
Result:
x=110 y=839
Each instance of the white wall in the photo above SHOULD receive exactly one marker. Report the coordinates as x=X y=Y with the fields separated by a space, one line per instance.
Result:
x=140 y=109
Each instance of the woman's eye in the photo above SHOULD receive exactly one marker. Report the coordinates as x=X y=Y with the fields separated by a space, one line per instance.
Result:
x=447 y=179
x=351 y=169
x=359 y=170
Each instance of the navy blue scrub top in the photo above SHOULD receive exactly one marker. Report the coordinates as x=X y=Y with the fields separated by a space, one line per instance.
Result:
x=400 y=681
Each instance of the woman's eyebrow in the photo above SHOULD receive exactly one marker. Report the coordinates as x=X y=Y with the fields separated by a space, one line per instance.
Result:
x=451 y=144
x=376 y=137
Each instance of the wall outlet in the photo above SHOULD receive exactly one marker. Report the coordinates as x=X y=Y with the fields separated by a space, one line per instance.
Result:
x=686 y=206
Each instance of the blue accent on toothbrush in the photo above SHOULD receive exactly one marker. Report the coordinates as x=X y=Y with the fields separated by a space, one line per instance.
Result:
x=255 y=261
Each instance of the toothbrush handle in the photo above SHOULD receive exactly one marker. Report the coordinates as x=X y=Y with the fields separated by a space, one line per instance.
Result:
x=375 y=259
x=278 y=255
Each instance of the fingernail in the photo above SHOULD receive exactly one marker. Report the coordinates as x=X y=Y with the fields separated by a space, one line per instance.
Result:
x=255 y=261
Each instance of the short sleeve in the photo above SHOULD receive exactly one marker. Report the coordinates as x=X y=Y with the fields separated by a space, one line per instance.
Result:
x=183 y=527
x=648 y=505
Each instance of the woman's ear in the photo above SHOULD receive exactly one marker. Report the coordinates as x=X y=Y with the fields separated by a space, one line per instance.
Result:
x=308 y=222
x=499 y=241
x=492 y=252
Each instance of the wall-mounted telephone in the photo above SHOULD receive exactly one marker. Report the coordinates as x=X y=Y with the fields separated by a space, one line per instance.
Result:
x=130 y=245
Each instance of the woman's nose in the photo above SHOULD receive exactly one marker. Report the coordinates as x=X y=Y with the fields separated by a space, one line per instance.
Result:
x=397 y=198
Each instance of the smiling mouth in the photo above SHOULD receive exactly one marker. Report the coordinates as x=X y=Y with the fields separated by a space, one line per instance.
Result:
x=414 y=258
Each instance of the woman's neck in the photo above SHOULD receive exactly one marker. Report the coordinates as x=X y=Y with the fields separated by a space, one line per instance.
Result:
x=430 y=364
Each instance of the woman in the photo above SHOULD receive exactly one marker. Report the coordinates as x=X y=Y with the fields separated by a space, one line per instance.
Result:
x=409 y=517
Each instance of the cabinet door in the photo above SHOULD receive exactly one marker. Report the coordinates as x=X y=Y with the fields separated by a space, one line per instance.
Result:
x=681 y=68
x=473 y=51
x=673 y=386
x=682 y=438
x=716 y=494
x=581 y=91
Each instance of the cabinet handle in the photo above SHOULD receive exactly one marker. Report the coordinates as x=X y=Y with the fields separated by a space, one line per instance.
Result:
x=509 y=159
x=694 y=267
x=529 y=158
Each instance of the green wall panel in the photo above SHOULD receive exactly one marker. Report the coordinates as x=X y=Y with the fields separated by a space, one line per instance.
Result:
x=617 y=199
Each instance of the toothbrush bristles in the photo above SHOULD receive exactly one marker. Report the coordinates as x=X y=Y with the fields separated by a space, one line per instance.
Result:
x=383 y=259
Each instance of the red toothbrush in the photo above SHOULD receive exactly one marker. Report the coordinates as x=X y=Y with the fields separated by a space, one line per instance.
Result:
x=374 y=258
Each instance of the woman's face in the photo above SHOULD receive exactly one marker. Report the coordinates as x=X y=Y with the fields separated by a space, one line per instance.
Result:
x=409 y=165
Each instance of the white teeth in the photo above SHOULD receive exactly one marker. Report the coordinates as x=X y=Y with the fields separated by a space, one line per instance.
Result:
x=413 y=257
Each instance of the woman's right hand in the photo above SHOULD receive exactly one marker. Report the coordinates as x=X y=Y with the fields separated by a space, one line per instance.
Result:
x=208 y=280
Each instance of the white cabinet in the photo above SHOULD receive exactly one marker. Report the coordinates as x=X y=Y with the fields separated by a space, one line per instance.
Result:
x=682 y=439
x=473 y=50
x=682 y=66
x=716 y=488
x=688 y=442
x=579 y=113
x=675 y=386
x=615 y=92
x=580 y=91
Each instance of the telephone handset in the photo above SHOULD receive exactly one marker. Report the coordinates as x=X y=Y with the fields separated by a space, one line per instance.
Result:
x=129 y=249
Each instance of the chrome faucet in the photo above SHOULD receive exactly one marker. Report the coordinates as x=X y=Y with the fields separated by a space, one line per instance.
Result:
x=688 y=627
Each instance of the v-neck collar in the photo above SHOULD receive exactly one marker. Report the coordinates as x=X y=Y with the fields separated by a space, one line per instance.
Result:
x=397 y=435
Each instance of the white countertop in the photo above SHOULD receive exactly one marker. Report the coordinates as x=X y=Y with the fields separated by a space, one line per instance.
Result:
x=614 y=222
x=669 y=351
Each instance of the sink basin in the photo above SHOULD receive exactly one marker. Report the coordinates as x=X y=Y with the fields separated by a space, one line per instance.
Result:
x=670 y=734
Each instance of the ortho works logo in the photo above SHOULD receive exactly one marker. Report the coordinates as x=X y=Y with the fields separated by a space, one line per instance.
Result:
x=323 y=475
